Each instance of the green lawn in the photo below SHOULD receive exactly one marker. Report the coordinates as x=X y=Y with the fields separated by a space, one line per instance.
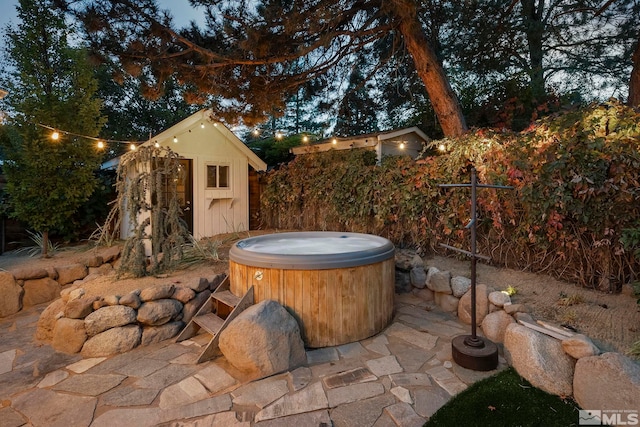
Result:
x=506 y=400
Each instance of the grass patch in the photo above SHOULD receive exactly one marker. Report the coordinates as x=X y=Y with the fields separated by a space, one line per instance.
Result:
x=506 y=399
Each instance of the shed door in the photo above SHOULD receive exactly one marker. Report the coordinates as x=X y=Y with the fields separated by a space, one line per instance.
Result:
x=185 y=192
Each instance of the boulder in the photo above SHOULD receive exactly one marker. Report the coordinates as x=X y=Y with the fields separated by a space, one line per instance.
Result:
x=108 y=317
x=80 y=308
x=159 y=312
x=93 y=261
x=112 y=299
x=29 y=273
x=499 y=298
x=110 y=254
x=70 y=273
x=215 y=281
x=439 y=281
x=540 y=359
x=402 y=282
x=52 y=272
x=494 y=325
x=579 y=346
x=132 y=299
x=112 y=341
x=48 y=318
x=37 y=291
x=515 y=308
x=406 y=259
x=191 y=308
x=65 y=293
x=157 y=292
x=608 y=381
x=418 y=277
x=153 y=334
x=460 y=285
x=448 y=303
x=482 y=305
x=183 y=294
x=10 y=295
x=69 y=335
x=197 y=284
x=263 y=340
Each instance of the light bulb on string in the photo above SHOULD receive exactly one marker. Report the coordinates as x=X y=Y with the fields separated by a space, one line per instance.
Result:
x=100 y=145
x=305 y=138
x=55 y=135
x=401 y=145
x=442 y=148
x=202 y=125
x=133 y=147
x=156 y=144
x=175 y=139
x=334 y=141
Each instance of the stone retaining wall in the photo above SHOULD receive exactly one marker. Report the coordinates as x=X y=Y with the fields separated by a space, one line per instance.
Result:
x=26 y=287
x=103 y=326
x=570 y=366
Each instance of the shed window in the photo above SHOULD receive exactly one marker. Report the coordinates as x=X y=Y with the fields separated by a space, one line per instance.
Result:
x=217 y=176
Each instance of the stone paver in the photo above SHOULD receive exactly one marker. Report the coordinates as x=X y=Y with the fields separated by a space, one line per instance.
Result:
x=260 y=393
x=398 y=378
x=384 y=366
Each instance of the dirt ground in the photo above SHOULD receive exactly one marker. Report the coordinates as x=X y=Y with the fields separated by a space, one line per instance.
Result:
x=612 y=321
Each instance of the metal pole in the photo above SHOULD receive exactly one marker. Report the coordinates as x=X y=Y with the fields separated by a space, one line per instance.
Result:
x=473 y=255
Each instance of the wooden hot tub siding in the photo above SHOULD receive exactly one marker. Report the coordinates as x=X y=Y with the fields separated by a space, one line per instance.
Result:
x=332 y=307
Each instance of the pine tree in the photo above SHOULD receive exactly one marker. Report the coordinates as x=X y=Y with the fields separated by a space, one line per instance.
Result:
x=50 y=83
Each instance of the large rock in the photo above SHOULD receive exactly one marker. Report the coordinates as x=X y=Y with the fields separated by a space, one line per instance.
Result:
x=191 y=308
x=48 y=318
x=70 y=273
x=263 y=340
x=406 y=259
x=460 y=285
x=109 y=317
x=93 y=261
x=215 y=281
x=159 y=312
x=579 y=346
x=153 y=334
x=197 y=284
x=447 y=302
x=29 y=273
x=439 y=281
x=132 y=299
x=157 y=292
x=495 y=324
x=499 y=298
x=183 y=294
x=110 y=254
x=112 y=341
x=69 y=335
x=418 y=277
x=37 y=291
x=539 y=359
x=80 y=308
x=482 y=305
x=10 y=295
x=608 y=381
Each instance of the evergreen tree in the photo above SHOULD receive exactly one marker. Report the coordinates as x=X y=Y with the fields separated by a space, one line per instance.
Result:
x=50 y=83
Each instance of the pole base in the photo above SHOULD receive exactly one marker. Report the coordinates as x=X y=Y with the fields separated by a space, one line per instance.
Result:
x=479 y=354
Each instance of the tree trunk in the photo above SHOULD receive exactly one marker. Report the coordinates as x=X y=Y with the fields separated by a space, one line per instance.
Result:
x=534 y=30
x=634 y=81
x=443 y=99
x=45 y=244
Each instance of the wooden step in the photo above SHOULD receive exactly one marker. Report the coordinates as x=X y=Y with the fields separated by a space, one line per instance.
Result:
x=210 y=322
x=227 y=298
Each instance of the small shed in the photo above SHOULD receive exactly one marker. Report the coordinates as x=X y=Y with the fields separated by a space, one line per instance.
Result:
x=408 y=141
x=219 y=169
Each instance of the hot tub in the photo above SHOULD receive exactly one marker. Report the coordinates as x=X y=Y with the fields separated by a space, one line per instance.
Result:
x=338 y=286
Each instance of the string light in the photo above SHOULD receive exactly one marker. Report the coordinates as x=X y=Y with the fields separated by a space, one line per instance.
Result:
x=402 y=146
x=305 y=138
x=256 y=132
x=442 y=148
x=100 y=145
x=132 y=147
x=175 y=139
x=334 y=141
x=279 y=135
x=55 y=135
x=156 y=144
x=201 y=125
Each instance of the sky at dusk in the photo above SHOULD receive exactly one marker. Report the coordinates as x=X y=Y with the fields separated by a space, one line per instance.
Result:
x=182 y=12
